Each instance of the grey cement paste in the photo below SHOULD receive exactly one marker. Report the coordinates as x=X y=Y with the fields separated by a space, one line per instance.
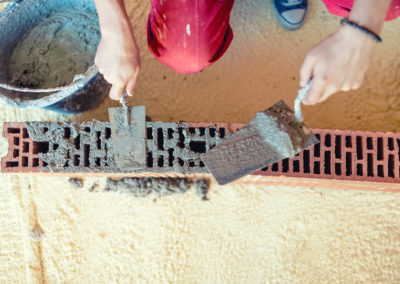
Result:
x=56 y=49
x=141 y=187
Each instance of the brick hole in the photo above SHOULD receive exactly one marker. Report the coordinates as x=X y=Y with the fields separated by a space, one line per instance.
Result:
x=160 y=139
x=98 y=140
x=107 y=132
x=348 y=141
x=25 y=147
x=13 y=130
x=16 y=141
x=191 y=164
x=212 y=131
x=98 y=162
x=149 y=133
x=380 y=149
x=55 y=146
x=40 y=147
x=86 y=152
x=359 y=147
x=25 y=133
x=264 y=169
x=338 y=169
x=192 y=130
x=370 y=165
x=391 y=166
x=181 y=162
x=171 y=157
x=44 y=164
x=160 y=162
x=369 y=143
x=35 y=162
x=349 y=170
x=359 y=170
x=67 y=132
x=197 y=146
x=170 y=132
x=45 y=129
x=150 y=159
x=328 y=140
x=296 y=166
x=87 y=129
x=380 y=171
x=285 y=165
x=338 y=147
x=327 y=163
x=25 y=161
x=222 y=132
x=390 y=144
x=15 y=153
x=202 y=131
x=77 y=142
x=317 y=149
x=77 y=159
x=306 y=161
x=12 y=164
x=201 y=164
x=318 y=136
x=275 y=167
x=317 y=167
x=181 y=142
x=66 y=165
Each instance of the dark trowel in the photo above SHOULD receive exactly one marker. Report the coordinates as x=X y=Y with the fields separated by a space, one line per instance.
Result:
x=128 y=126
x=274 y=134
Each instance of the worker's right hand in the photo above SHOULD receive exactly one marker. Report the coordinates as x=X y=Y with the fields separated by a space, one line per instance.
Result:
x=118 y=59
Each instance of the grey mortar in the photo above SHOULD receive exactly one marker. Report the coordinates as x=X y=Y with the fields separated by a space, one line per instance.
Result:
x=76 y=182
x=171 y=147
x=141 y=187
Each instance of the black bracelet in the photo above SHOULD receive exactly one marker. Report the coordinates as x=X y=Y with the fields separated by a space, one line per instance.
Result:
x=374 y=36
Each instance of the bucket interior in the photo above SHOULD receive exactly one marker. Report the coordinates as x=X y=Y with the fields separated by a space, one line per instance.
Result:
x=19 y=23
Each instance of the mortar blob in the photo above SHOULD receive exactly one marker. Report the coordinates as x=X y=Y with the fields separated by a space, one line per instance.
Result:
x=59 y=47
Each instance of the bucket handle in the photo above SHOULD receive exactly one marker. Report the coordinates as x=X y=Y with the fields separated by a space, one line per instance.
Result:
x=77 y=80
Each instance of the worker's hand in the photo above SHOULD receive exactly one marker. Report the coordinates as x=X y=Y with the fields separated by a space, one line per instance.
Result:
x=338 y=63
x=118 y=59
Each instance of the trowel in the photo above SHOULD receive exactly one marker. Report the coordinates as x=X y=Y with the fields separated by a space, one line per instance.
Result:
x=274 y=134
x=128 y=126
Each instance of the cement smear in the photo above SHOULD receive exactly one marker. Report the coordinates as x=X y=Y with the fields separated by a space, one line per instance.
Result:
x=141 y=187
x=76 y=182
x=56 y=49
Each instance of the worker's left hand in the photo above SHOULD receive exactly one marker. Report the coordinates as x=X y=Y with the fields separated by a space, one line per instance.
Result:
x=338 y=63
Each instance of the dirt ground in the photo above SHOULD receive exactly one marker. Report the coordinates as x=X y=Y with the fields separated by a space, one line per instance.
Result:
x=54 y=232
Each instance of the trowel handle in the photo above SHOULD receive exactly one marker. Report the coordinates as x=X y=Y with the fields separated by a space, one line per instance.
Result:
x=301 y=96
x=124 y=99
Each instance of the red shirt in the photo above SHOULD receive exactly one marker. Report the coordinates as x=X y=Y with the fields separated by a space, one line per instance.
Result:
x=342 y=8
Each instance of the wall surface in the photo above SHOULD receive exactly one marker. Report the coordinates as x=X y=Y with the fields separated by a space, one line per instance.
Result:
x=51 y=232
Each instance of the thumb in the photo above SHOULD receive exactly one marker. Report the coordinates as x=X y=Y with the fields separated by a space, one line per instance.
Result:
x=116 y=92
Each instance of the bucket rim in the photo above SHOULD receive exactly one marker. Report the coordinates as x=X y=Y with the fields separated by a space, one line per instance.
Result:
x=50 y=99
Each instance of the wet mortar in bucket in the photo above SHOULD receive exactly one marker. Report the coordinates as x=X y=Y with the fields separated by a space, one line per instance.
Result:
x=59 y=47
x=47 y=55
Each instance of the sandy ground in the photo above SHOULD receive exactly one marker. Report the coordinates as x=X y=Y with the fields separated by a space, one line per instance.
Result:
x=53 y=233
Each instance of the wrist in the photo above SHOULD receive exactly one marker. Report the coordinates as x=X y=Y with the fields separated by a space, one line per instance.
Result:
x=356 y=37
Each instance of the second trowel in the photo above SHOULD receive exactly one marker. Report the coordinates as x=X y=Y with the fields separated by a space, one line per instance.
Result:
x=128 y=128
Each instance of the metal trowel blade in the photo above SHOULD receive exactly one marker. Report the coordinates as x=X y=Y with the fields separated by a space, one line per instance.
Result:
x=274 y=134
x=128 y=137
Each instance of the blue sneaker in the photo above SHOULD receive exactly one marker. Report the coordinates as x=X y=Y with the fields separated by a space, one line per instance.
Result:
x=290 y=13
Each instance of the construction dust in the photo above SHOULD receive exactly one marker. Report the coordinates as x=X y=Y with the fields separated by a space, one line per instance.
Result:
x=59 y=47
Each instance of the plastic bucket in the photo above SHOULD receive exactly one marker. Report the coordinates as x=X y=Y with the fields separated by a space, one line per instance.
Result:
x=86 y=91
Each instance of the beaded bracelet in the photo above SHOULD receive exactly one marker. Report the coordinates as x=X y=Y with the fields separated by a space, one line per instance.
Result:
x=374 y=36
